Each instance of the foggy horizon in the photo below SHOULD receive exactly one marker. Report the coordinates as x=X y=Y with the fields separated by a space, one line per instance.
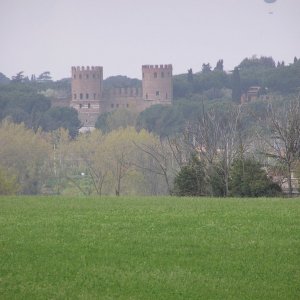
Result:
x=122 y=36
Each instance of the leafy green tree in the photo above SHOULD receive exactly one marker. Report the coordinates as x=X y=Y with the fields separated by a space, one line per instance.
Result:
x=101 y=122
x=119 y=118
x=162 y=120
x=190 y=180
x=285 y=79
x=23 y=103
x=8 y=183
x=97 y=163
x=182 y=86
x=61 y=117
x=121 y=154
x=25 y=155
x=89 y=157
x=121 y=82
x=249 y=179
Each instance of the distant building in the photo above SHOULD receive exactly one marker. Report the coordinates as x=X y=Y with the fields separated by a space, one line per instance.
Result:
x=252 y=94
x=90 y=99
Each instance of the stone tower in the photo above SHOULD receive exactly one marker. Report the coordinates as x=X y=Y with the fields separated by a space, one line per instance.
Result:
x=87 y=83
x=157 y=84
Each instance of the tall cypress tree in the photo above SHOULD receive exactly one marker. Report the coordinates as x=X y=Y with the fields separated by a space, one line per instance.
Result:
x=190 y=76
x=236 y=86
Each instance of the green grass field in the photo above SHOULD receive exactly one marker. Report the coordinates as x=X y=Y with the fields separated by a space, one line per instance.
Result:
x=149 y=248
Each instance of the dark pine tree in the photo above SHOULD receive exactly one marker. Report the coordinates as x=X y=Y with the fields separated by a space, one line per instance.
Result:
x=191 y=181
x=249 y=179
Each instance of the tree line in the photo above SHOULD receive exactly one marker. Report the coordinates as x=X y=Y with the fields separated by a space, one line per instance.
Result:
x=216 y=155
x=213 y=83
x=93 y=163
x=29 y=104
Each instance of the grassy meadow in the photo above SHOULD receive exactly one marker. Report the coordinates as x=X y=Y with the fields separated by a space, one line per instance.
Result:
x=149 y=248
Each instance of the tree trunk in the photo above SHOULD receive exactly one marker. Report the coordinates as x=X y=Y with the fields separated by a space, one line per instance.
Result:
x=289 y=179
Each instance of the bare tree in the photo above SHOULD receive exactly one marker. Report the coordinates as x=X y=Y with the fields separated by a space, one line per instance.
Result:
x=96 y=173
x=87 y=169
x=122 y=167
x=165 y=159
x=284 y=141
x=216 y=137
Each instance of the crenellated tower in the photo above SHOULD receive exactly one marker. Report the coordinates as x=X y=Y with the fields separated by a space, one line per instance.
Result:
x=87 y=87
x=90 y=100
x=157 y=84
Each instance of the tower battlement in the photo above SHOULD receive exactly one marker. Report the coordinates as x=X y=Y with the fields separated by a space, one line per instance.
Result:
x=88 y=68
x=145 y=67
x=87 y=73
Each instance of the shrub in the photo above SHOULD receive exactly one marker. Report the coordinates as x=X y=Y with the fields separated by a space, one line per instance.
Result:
x=249 y=179
x=190 y=181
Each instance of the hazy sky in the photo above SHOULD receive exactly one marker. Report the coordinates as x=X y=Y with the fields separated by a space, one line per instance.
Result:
x=122 y=35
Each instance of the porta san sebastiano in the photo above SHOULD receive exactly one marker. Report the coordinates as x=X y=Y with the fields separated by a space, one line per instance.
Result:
x=90 y=99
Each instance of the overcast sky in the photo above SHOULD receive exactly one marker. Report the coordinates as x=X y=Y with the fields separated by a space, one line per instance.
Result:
x=122 y=35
